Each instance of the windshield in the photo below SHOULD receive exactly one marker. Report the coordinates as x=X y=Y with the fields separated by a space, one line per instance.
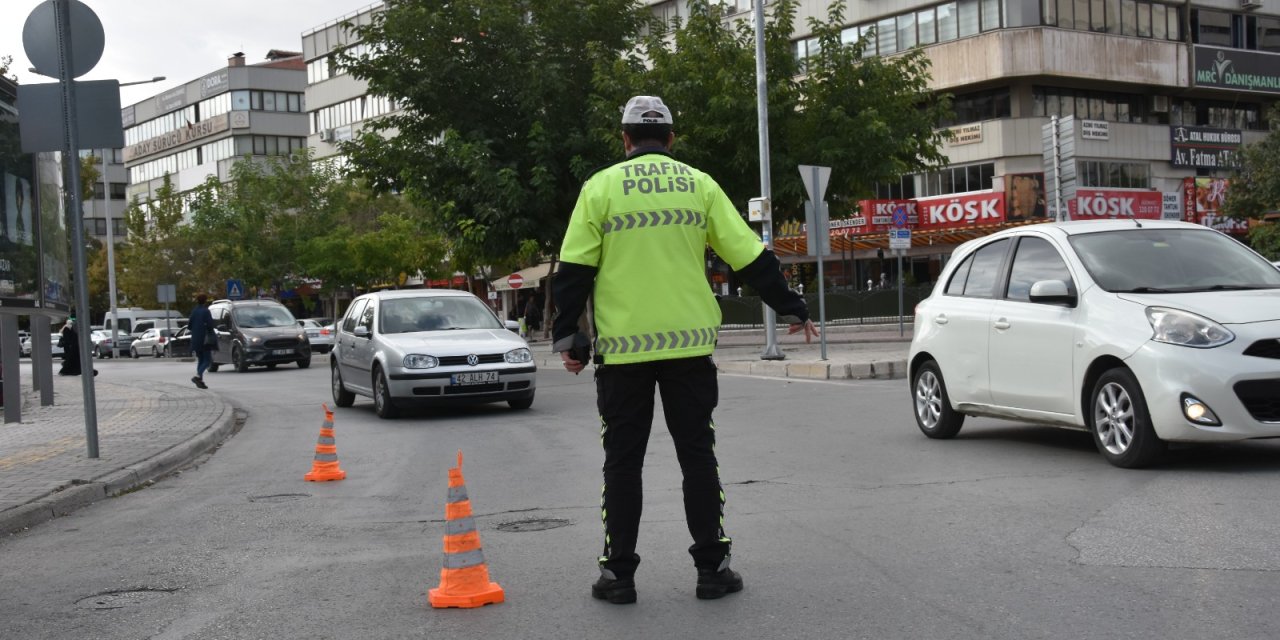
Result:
x=262 y=316
x=435 y=313
x=1171 y=261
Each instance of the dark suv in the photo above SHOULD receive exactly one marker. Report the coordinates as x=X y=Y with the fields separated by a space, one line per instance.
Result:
x=257 y=332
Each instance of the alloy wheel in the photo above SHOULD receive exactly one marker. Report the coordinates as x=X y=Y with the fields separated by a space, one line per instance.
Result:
x=1113 y=418
x=928 y=400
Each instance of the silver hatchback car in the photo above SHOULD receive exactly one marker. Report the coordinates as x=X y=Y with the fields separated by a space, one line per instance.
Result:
x=428 y=347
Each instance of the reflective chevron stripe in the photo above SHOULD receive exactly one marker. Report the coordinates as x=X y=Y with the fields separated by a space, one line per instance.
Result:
x=664 y=217
x=650 y=342
x=464 y=559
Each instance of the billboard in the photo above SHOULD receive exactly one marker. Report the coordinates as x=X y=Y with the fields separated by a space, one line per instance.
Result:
x=33 y=231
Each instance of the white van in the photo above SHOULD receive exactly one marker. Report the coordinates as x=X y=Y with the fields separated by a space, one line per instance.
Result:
x=129 y=318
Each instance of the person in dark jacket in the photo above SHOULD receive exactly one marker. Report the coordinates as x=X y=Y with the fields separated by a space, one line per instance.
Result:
x=203 y=339
x=69 y=341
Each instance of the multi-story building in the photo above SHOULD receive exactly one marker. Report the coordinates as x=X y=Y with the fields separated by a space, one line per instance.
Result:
x=1153 y=99
x=109 y=195
x=203 y=127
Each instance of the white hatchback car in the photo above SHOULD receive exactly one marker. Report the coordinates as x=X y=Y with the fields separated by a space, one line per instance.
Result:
x=1141 y=332
x=428 y=347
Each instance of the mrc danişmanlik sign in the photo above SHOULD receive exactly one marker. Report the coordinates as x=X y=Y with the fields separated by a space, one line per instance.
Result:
x=1237 y=69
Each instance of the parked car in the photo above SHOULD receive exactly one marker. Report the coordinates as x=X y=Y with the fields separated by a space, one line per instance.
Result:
x=428 y=346
x=100 y=340
x=319 y=333
x=257 y=332
x=1141 y=332
x=150 y=343
x=178 y=346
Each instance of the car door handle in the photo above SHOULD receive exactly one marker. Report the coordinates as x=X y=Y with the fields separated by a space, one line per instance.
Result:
x=940 y=319
x=1002 y=324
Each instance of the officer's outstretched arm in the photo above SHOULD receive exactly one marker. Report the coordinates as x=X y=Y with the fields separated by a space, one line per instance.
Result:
x=764 y=274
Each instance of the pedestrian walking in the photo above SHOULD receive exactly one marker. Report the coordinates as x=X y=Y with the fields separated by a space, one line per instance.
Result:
x=69 y=342
x=636 y=244
x=204 y=341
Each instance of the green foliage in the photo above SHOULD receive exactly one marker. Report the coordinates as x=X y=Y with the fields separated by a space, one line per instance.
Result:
x=871 y=119
x=1265 y=239
x=494 y=138
x=160 y=250
x=1255 y=187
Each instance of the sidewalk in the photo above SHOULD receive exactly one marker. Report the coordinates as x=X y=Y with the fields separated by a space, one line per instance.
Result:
x=145 y=430
x=148 y=429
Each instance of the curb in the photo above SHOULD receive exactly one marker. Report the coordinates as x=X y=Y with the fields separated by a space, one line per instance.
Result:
x=79 y=494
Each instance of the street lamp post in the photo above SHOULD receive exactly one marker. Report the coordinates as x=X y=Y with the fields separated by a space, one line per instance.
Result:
x=771 y=350
x=111 y=240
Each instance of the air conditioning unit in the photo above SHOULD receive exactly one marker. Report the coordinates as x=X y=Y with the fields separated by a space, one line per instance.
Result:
x=326 y=135
x=1249 y=5
x=1160 y=104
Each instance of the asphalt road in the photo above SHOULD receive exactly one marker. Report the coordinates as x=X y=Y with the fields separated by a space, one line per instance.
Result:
x=847 y=524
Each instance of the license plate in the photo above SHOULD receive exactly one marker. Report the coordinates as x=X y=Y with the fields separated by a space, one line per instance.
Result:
x=281 y=352
x=479 y=377
x=313 y=334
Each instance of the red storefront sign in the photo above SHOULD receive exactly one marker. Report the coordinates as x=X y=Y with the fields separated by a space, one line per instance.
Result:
x=1096 y=204
x=874 y=216
x=958 y=212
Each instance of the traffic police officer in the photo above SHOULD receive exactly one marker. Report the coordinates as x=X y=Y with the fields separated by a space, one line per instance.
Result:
x=636 y=244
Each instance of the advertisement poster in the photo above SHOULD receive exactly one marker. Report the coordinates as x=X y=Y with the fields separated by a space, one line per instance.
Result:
x=55 y=278
x=1203 y=197
x=1024 y=193
x=961 y=211
x=19 y=265
x=1097 y=204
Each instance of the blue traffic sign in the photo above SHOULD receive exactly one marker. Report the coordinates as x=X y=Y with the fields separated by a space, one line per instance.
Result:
x=899 y=216
x=235 y=289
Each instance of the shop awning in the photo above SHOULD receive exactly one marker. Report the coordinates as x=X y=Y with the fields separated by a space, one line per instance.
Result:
x=530 y=278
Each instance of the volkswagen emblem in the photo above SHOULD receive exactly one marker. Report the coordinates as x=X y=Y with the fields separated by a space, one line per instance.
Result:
x=473 y=359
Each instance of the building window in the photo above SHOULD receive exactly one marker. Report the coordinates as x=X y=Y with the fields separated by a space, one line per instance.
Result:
x=1268 y=34
x=975 y=177
x=1115 y=175
x=1088 y=105
x=118 y=190
x=976 y=107
x=1124 y=17
x=927 y=25
x=1213 y=28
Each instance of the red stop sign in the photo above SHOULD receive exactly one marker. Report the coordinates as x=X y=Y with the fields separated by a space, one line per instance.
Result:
x=515 y=280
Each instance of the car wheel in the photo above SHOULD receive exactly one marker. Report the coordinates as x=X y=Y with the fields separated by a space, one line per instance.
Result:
x=934 y=414
x=168 y=352
x=133 y=352
x=237 y=360
x=341 y=396
x=155 y=352
x=304 y=361
x=520 y=404
x=272 y=365
x=383 y=405
x=1120 y=423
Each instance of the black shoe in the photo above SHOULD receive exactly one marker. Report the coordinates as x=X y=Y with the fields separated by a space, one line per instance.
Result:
x=615 y=590
x=199 y=383
x=714 y=584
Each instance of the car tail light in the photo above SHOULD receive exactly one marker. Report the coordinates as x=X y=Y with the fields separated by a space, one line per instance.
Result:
x=324 y=331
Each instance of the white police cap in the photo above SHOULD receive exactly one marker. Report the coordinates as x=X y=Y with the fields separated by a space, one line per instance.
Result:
x=646 y=110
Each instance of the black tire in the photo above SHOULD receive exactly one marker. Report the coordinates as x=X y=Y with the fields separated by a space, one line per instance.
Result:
x=383 y=404
x=304 y=362
x=133 y=352
x=933 y=411
x=272 y=365
x=520 y=404
x=341 y=396
x=1118 y=419
x=238 y=361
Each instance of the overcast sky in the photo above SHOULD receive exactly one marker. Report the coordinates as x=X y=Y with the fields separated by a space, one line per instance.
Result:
x=179 y=39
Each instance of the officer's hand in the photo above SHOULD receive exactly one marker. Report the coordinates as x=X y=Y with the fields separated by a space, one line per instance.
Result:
x=810 y=330
x=571 y=365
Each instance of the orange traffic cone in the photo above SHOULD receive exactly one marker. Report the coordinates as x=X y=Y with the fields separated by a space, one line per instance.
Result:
x=464 y=580
x=325 y=465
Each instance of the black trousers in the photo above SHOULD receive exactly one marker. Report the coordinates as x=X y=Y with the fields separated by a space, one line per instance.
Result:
x=624 y=395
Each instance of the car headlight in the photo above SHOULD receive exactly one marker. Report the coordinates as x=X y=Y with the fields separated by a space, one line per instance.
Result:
x=1183 y=328
x=519 y=356
x=255 y=340
x=419 y=361
x=302 y=337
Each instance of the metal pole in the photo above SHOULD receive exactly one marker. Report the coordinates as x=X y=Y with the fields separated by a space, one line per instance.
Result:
x=71 y=152
x=1057 y=173
x=901 y=330
x=771 y=351
x=822 y=295
x=111 y=260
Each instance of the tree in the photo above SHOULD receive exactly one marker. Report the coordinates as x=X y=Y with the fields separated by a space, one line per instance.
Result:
x=1255 y=188
x=494 y=137
x=160 y=250
x=871 y=119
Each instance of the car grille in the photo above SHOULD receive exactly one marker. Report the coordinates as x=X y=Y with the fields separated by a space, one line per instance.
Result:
x=1264 y=349
x=281 y=343
x=455 y=361
x=1261 y=398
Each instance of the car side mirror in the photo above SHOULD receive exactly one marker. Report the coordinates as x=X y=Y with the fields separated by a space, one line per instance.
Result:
x=1052 y=292
x=222 y=326
x=362 y=331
